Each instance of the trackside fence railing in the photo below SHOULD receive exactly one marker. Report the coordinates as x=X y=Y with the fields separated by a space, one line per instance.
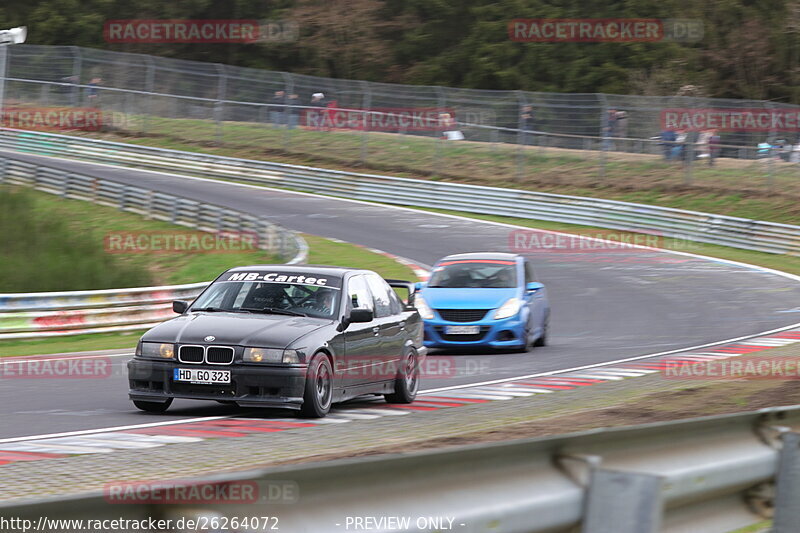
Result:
x=201 y=102
x=713 y=474
x=708 y=228
x=68 y=313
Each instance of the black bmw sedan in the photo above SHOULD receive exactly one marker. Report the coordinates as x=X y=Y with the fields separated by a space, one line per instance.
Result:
x=299 y=337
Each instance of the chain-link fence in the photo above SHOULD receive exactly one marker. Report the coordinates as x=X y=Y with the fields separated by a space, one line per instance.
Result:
x=493 y=137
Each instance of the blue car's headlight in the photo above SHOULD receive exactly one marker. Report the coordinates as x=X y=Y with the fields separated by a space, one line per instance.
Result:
x=424 y=309
x=510 y=308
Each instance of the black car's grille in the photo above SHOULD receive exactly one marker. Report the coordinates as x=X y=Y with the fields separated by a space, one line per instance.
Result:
x=190 y=354
x=462 y=315
x=471 y=337
x=219 y=355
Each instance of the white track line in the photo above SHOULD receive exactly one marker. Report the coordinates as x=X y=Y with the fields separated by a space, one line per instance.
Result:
x=115 y=428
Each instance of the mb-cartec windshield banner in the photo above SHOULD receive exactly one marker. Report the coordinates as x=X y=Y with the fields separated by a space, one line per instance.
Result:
x=297 y=278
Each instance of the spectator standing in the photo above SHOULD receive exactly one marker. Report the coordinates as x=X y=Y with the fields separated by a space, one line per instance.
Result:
x=794 y=157
x=678 y=148
x=332 y=106
x=668 y=138
x=714 y=147
x=92 y=92
x=702 y=144
x=609 y=129
x=277 y=108
x=527 y=121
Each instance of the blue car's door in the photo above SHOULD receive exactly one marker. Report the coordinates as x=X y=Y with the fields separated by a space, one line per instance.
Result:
x=535 y=300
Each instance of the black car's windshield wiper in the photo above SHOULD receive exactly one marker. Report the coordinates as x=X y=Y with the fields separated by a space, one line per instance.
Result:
x=211 y=309
x=273 y=311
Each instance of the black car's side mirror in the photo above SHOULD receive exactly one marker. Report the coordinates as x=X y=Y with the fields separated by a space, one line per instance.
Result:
x=361 y=315
x=356 y=315
x=180 y=306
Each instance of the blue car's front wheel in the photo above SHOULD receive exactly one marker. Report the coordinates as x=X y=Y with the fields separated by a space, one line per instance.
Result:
x=526 y=335
x=542 y=340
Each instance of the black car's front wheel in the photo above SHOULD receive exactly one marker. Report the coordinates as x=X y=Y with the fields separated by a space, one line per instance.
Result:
x=153 y=407
x=406 y=384
x=318 y=394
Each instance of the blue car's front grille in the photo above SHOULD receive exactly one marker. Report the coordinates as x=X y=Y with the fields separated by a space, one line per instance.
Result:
x=462 y=315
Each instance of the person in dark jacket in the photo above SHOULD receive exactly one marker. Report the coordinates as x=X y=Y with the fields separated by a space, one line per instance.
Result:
x=668 y=138
x=277 y=108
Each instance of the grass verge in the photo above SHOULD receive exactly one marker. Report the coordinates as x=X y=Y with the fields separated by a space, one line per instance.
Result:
x=90 y=228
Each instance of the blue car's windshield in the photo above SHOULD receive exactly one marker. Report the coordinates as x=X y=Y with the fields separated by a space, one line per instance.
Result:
x=465 y=274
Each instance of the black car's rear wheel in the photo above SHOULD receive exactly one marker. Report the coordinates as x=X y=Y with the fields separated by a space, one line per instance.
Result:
x=153 y=407
x=406 y=384
x=318 y=394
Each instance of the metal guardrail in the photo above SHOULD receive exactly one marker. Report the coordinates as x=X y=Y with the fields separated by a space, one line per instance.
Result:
x=25 y=315
x=696 y=226
x=710 y=474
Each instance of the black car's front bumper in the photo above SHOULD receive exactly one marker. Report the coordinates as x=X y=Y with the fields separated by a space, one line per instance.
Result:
x=250 y=386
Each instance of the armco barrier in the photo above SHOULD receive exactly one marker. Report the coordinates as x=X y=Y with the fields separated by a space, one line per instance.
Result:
x=712 y=474
x=69 y=313
x=701 y=227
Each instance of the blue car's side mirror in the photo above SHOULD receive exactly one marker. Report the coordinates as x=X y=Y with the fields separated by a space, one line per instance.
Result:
x=534 y=286
x=418 y=286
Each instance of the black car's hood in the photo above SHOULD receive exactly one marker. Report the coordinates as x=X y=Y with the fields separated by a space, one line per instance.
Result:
x=264 y=330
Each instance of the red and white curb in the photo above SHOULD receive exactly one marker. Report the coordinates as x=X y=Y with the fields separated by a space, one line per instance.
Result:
x=145 y=436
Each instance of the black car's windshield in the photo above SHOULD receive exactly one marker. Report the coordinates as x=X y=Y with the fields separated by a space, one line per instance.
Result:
x=292 y=298
x=472 y=273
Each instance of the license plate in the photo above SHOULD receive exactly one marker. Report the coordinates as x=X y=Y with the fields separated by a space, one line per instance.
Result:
x=462 y=330
x=202 y=376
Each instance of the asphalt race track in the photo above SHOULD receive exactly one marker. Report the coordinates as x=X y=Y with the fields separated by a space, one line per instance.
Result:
x=605 y=306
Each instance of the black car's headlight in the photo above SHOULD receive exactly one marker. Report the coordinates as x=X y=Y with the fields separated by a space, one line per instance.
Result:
x=270 y=355
x=155 y=350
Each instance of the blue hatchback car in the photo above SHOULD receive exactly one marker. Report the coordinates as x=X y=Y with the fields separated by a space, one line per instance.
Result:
x=489 y=300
